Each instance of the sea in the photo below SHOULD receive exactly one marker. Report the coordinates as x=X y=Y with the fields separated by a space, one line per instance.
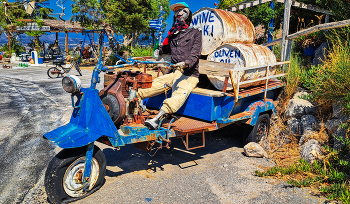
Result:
x=72 y=41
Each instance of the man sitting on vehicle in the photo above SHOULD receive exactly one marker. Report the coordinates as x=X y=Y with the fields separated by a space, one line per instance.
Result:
x=185 y=45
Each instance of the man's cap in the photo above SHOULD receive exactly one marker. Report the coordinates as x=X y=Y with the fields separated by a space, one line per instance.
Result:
x=178 y=5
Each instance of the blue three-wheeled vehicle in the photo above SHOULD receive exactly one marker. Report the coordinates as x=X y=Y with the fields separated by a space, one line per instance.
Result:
x=114 y=116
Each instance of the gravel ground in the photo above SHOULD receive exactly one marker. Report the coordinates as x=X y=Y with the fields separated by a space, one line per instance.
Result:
x=32 y=104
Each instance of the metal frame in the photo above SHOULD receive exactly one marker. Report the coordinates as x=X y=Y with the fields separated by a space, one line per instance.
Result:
x=87 y=33
x=236 y=84
x=186 y=142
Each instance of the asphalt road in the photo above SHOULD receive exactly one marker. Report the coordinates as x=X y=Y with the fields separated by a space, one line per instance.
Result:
x=32 y=104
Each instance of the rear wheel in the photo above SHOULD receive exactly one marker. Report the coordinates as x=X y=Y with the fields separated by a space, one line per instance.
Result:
x=53 y=72
x=64 y=175
x=260 y=129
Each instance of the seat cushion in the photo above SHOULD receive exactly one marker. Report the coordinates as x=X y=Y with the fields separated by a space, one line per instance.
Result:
x=58 y=62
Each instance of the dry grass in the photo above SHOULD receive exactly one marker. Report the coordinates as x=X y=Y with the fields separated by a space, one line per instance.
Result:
x=320 y=136
x=286 y=155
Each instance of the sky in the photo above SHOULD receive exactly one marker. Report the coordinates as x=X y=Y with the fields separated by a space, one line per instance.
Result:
x=194 y=5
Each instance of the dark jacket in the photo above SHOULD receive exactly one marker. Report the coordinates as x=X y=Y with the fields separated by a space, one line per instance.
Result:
x=186 y=46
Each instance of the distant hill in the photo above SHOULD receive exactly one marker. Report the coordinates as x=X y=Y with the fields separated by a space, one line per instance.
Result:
x=25 y=39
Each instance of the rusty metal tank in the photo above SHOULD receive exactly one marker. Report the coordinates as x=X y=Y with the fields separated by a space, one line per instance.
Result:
x=242 y=55
x=220 y=27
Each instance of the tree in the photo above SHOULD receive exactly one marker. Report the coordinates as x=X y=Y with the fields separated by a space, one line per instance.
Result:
x=340 y=8
x=258 y=15
x=88 y=13
x=127 y=17
x=224 y=4
x=12 y=13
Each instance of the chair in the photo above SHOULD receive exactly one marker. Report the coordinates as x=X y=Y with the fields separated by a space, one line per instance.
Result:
x=24 y=57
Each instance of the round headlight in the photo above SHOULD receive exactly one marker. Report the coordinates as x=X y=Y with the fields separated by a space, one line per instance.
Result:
x=71 y=84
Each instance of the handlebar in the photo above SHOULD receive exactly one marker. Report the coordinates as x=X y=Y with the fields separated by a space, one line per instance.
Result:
x=110 y=68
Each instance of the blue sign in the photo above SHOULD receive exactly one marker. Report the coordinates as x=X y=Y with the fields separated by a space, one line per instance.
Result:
x=156 y=23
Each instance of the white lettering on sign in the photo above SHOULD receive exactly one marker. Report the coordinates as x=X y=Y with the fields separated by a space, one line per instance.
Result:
x=227 y=55
x=33 y=28
x=210 y=24
x=206 y=21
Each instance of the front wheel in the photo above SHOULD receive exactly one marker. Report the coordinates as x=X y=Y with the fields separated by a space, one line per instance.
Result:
x=260 y=129
x=63 y=178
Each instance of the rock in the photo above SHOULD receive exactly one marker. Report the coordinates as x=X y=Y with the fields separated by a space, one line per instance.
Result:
x=332 y=125
x=298 y=107
x=340 y=132
x=305 y=137
x=293 y=125
x=320 y=54
x=310 y=110
x=309 y=123
x=337 y=109
x=346 y=157
x=253 y=149
x=300 y=94
x=344 y=118
x=311 y=151
x=265 y=144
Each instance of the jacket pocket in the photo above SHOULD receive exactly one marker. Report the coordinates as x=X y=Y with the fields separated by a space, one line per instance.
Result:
x=185 y=43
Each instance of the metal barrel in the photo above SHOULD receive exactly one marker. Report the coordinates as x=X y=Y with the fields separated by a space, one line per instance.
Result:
x=242 y=55
x=220 y=27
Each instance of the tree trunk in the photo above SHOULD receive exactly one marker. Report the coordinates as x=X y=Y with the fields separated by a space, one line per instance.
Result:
x=37 y=44
x=127 y=40
x=9 y=39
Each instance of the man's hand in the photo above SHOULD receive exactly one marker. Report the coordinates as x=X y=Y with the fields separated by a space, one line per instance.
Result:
x=181 y=65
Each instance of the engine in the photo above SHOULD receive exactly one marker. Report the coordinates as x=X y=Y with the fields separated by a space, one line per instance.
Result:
x=119 y=96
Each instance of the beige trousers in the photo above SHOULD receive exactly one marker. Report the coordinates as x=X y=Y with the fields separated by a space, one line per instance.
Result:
x=181 y=88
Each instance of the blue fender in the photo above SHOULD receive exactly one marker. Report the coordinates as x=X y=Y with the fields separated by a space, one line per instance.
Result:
x=90 y=120
x=259 y=107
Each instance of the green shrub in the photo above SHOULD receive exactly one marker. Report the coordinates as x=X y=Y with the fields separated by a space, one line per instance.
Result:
x=331 y=81
x=16 y=47
x=332 y=176
x=328 y=82
x=139 y=51
x=294 y=74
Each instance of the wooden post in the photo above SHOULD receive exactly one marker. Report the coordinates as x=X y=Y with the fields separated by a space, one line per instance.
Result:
x=289 y=44
x=326 y=21
x=285 y=32
x=9 y=39
x=66 y=42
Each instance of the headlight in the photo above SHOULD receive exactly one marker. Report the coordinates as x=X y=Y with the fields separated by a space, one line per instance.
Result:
x=71 y=84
